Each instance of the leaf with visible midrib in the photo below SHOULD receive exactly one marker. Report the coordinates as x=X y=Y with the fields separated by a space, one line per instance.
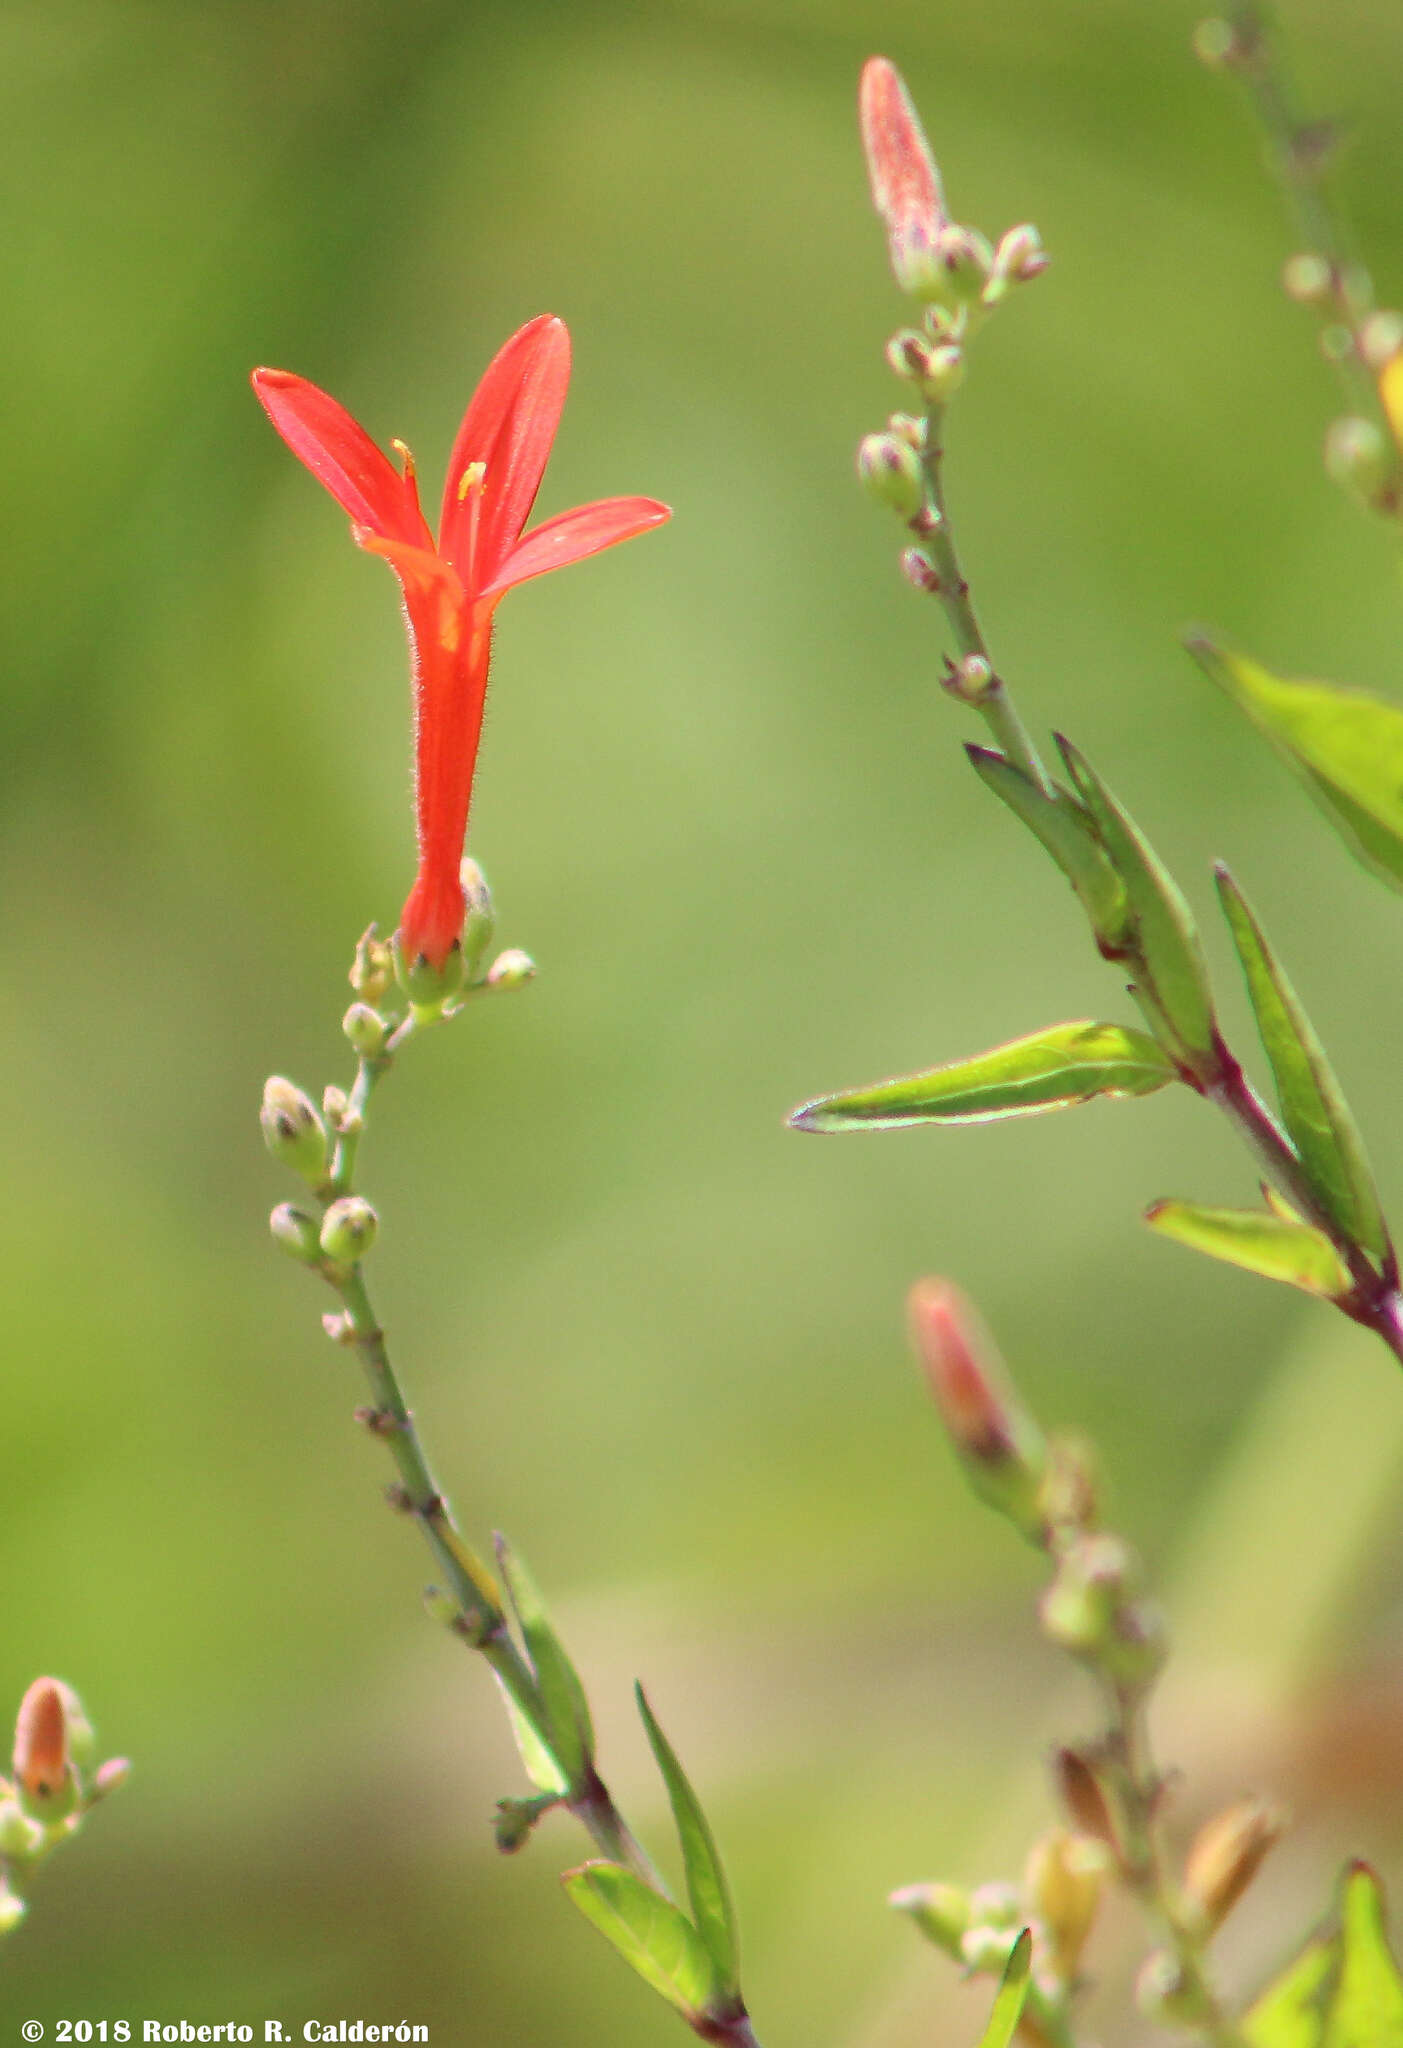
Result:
x=1051 y=1069
x=1347 y=745
x=654 y=1937
x=1313 y=1106
x=1274 y=1246
x=707 y=1888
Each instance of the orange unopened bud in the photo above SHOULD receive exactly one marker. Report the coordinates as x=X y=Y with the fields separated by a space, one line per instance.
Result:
x=1226 y=1855
x=1081 y=1794
x=1000 y=1445
x=905 y=182
x=41 y=1764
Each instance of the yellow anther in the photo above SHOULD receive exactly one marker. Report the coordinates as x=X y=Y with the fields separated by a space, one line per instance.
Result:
x=406 y=458
x=472 y=479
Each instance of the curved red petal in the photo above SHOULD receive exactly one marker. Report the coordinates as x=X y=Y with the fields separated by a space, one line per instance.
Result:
x=508 y=427
x=572 y=536
x=341 y=455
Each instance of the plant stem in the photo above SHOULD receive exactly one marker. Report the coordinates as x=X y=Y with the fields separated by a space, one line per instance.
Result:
x=1299 y=152
x=990 y=697
x=482 y=1618
x=1145 y=1864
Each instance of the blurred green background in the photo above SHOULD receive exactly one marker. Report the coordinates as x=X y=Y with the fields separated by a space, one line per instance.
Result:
x=648 y=1331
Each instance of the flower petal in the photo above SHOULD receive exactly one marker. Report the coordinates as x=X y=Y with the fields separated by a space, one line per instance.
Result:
x=341 y=455
x=571 y=536
x=508 y=427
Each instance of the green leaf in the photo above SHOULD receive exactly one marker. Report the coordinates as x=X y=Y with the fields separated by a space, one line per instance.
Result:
x=707 y=1889
x=568 y=1731
x=653 y=1936
x=1164 y=930
x=1289 y=2012
x=1367 y=2010
x=1051 y=1069
x=1347 y=745
x=1269 y=1245
x=1067 y=833
x=1012 y=1992
x=1313 y=1106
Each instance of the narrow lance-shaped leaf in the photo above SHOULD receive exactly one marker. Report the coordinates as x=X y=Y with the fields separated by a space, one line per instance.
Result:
x=1276 y=1248
x=1367 y=2009
x=1012 y=1993
x=1165 y=935
x=1290 y=2013
x=1051 y=1069
x=1067 y=833
x=654 y=1937
x=1313 y=1106
x=1346 y=745
x=537 y=1760
x=707 y=1889
x=568 y=1731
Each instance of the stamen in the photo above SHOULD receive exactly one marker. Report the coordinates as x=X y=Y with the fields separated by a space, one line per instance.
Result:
x=406 y=458
x=474 y=477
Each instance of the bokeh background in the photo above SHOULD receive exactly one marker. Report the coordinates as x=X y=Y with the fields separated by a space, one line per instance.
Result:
x=648 y=1331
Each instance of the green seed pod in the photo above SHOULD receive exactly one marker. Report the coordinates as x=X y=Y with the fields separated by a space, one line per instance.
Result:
x=348 y=1229
x=293 y=1130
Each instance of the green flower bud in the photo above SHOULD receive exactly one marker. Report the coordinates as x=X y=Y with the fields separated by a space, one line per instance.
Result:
x=909 y=429
x=920 y=572
x=1307 y=278
x=987 y=1949
x=12 y=1911
x=297 y=1233
x=515 y=1818
x=512 y=969
x=480 y=920
x=967 y=261
x=111 y=1777
x=941 y=1911
x=907 y=352
x=1079 y=1609
x=944 y=372
x=1381 y=339
x=891 y=472
x=1357 y=456
x=292 y=1129
x=348 y=1230
x=334 y=1105
x=365 y=1029
x=1215 y=44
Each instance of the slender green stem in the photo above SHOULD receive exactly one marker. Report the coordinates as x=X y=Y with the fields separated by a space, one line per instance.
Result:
x=1299 y=150
x=472 y=1586
x=989 y=695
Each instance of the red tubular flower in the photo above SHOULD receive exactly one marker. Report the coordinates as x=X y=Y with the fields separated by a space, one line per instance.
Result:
x=452 y=587
x=905 y=182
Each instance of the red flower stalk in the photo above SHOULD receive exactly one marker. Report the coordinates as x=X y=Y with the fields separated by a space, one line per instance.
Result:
x=452 y=586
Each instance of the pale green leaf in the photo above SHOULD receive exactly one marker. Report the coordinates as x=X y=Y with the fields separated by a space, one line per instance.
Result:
x=1067 y=833
x=1289 y=2012
x=1164 y=931
x=539 y=1764
x=1347 y=745
x=1276 y=1248
x=1052 y=1069
x=1367 y=2009
x=1012 y=1992
x=567 y=1730
x=707 y=1888
x=1313 y=1106
x=653 y=1936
